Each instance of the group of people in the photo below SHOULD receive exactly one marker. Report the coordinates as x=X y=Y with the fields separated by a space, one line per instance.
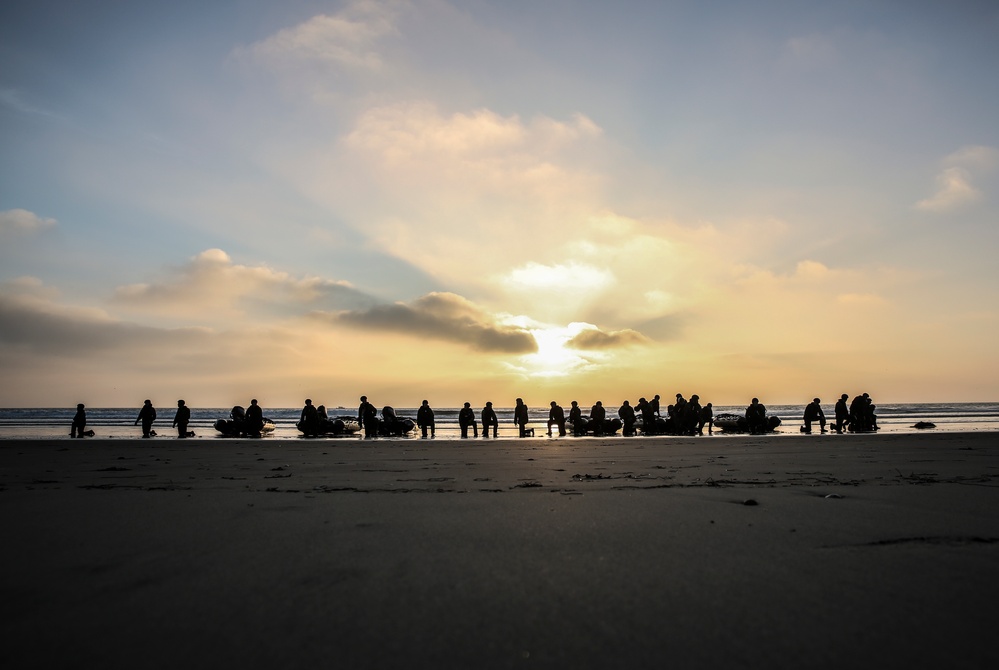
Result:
x=683 y=417
x=147 y=415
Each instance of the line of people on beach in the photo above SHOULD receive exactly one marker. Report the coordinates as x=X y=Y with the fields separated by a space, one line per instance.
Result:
x=682 y=417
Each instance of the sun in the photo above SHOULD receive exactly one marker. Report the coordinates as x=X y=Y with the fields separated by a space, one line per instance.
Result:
x=553 y=358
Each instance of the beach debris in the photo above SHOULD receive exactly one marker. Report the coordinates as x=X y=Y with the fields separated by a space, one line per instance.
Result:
x=588 y=477
x=923 y=425
x=749 y=502
x=831 y=496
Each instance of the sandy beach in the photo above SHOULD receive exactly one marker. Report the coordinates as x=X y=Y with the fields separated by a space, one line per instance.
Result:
x=812 y=551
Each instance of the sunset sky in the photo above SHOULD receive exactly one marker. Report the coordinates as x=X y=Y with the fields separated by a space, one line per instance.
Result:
x=486 y=199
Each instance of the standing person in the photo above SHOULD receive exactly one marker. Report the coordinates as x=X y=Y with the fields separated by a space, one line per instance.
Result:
x=691 y=415
x=627 y=414
x=648 y=417
x=756 y=417
x=556 y=415
x=576 y=418
x=654 y=404
x=707 y=417
x=813 y=412
x=367 y=415
x=466 y=418
x=182 y=418
x=425 y=419
x=597 y=416
x=520 y=416
x=489 y=418
x=79 y=422
x=842 y=414
x=254 y=418
x=146 y=415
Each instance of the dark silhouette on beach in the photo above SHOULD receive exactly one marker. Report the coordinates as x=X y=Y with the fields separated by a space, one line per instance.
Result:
x=254 y=419
x=520 y=417
x=556 y=416
x=79 y=422
x=489 y=418
x=309 y=419
x=627 y=414
x=813 y=413
x=181 y=419
x=367 y=415
x=425 y=419
x=146 y=415
x=466 y=418
x=576 y=419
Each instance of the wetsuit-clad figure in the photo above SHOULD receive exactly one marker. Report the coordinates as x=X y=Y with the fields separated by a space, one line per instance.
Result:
x=678 y=411
x=648 y=417
x=691 y=415
x=425 y=419
x=367 y=415
x=627 y=414
x=146 y=415
x=79 y=422
x=597 y=416
x=309 y=418
x=756 y=417
x=576 y=418
x=654 y=404
x=182 y=418
x=707 y=418
x=489 y=418
x=556 y=415
x=466 y=418
x=842 y=414
x=520 y=417
x=813 y=412
x=254 y=419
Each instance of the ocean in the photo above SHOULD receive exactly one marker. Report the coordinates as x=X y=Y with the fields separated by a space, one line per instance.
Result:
x=47 y=423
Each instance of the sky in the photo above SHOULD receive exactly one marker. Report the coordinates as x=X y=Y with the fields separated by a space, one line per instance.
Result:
x=484 y=200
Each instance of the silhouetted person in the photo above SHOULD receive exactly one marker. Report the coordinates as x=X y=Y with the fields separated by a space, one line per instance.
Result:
x=628 y=419
x=367 y=416
x=182 y=418
x=520 y=417
x=707 y=417
x=321 y=412
x=654 y=405
x=390 y=422
x=813 y=412
x=254 y=419
x=691 y=415
x=489 y=418
x=842 y=414
x=597 y=416
x=466 y=418
x=309 y=418
x=425 y=419
x=576 y=419
x=146 y=415
x=648 y=416
x=556 y=415
x=756 y=417
x=79 y=422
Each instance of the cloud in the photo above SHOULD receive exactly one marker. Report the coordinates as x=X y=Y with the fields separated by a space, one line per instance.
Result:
x=23 y=221
x=563 y=277
x=443 y=316
x=955 y=187
x=210 y=284
x=345 y=39
x=594 y=338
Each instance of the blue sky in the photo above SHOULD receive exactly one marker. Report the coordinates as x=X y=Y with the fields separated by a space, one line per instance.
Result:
x=473 y=199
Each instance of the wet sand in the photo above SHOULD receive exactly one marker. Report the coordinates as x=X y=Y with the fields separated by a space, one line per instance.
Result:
x=815 y=551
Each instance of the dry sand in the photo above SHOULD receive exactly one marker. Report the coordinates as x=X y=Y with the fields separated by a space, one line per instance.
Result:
x=860 y=551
